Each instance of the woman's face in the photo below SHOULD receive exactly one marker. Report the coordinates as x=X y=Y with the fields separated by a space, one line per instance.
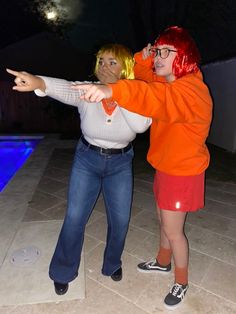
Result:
x=109 y=68
x=163 y=61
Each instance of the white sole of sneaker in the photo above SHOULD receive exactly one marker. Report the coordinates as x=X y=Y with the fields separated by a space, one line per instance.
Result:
x=157 y=271
x=173 y=307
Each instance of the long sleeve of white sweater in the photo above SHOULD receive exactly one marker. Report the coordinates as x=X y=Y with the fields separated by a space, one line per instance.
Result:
x=99 y=128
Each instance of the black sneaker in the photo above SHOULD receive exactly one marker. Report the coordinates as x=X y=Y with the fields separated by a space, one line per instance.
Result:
x=117 y=275
x=175 y=296
x=60 y=288
x=153 y=267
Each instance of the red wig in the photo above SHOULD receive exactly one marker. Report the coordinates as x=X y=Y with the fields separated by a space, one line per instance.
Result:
x=188 y=56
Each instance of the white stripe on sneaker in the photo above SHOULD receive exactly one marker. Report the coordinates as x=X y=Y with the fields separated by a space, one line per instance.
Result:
x=156 y=267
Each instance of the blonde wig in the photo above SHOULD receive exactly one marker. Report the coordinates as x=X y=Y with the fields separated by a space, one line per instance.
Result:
x=123 y=55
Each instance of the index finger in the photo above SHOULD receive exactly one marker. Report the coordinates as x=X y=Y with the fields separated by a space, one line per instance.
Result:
x=21 y=75
x=81 y=86
x=15 y=73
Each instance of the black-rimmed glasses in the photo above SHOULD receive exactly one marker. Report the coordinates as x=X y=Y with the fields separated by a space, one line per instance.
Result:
x=163 y=52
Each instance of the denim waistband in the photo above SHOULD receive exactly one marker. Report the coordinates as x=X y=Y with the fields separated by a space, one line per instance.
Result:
x=108 y=151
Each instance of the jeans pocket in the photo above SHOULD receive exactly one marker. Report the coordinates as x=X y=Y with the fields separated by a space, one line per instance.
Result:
x=81 y=148
x=129 y=154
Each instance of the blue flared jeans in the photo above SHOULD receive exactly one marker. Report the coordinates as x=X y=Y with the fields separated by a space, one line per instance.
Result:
x=94 y=172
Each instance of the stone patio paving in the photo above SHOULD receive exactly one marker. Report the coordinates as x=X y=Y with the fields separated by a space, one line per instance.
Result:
x=33 y=206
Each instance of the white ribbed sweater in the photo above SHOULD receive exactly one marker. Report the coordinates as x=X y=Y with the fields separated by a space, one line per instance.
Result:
x=99 y=128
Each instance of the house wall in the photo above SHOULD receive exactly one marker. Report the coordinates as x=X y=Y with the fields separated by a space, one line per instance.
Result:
x=46 y=55
x=221 y=80
x=27 y=113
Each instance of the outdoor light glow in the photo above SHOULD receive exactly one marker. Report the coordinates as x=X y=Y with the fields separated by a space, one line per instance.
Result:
x=58 y=12
x=51 y=15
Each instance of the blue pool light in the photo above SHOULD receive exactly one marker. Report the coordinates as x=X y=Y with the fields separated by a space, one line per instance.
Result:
x=13 y=154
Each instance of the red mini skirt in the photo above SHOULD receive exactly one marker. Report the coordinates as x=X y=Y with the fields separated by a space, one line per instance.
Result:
x=179 y=193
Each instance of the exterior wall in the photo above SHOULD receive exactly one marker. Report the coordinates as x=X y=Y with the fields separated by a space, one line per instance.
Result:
x=25 y=112
x=47 y=55
x=221 y=79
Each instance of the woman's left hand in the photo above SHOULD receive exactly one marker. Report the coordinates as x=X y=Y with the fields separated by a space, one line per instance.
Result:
x=106 y=76
x=146 y=51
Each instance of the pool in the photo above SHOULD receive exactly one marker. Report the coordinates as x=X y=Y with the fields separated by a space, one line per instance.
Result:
x=14 y=151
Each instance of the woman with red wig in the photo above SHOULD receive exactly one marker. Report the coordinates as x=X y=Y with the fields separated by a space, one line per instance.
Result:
x=170 y=89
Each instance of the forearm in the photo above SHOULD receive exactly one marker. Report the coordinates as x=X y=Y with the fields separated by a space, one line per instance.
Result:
x=60 y=90
x=136 y=96
x=143 y=69
x=186 y=100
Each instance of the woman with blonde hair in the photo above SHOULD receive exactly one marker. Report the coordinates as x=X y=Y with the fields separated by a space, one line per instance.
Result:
x=102 y=163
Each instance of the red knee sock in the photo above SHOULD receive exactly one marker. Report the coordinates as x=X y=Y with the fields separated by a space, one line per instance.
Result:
x=181 y=275
x=164 y=256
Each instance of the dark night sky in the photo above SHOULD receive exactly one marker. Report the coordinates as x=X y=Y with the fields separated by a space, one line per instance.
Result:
x=132 y=22
x=27 y=42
